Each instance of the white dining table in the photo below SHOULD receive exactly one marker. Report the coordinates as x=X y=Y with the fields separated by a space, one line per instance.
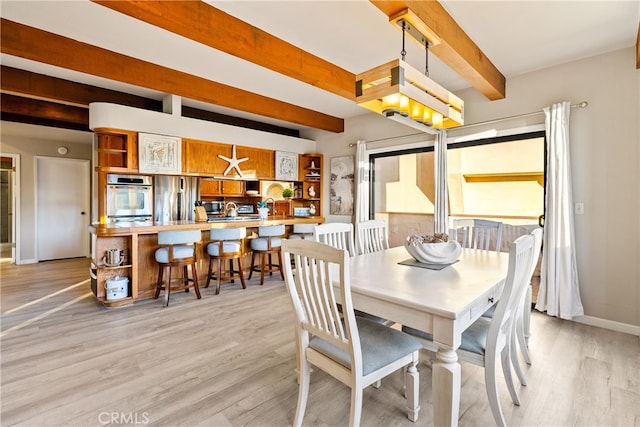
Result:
x=442 y=302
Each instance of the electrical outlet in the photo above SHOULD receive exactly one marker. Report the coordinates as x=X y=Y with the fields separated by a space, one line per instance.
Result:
x=579 y=208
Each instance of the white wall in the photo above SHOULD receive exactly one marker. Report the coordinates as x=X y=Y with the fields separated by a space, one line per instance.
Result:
x=605 y=140
x=28 y=147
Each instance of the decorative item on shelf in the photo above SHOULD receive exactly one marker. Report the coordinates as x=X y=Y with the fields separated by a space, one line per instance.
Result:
x=401 y=93
x=113 y=257
x=287 y=193
x=312 y=191
x=435 y=249
x=315 y=176
x=297 y=192
x=313 y=164
x=312 y=209
x=117 y=288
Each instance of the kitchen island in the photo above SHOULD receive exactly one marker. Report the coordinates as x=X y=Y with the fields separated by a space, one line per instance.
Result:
x=138 y=241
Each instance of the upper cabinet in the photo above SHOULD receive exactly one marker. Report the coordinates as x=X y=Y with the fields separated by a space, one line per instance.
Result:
x=217 y=187
x=117 y=150
x=201 y=158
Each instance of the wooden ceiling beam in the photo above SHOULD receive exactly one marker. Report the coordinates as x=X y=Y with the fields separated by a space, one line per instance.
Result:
x=34 y=85
x=199 y=21
x=455 y=49
x=41 y=46
x=27 y=84
x=37 y=111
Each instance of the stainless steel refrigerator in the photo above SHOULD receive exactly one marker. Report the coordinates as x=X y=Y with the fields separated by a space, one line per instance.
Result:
x=174 y=197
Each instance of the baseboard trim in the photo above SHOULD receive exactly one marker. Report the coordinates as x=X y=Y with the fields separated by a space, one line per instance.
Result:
x=609 y=324
x=26 y=261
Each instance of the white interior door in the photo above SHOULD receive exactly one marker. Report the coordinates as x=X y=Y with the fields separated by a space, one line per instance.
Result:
x=62 y=203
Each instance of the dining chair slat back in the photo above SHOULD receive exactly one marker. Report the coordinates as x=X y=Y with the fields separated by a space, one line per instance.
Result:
x=340 y=235
x=336 y=234
x=354 y=350
x=372 y=236
x=523 y=327
x=478 y=233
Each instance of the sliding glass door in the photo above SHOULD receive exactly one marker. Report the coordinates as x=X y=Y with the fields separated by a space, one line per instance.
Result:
x=498 y=178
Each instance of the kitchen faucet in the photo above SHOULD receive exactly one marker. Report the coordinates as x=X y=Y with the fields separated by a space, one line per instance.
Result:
x=266 y=201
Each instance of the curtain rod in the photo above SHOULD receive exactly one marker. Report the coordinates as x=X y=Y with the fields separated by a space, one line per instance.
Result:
x=582 y=104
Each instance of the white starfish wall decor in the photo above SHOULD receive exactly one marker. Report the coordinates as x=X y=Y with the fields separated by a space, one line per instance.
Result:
x=233 y=162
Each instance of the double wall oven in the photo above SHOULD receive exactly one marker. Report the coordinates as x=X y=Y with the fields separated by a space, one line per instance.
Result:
x=129 y=198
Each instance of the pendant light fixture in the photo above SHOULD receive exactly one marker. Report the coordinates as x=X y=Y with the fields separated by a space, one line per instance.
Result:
x=401 y=93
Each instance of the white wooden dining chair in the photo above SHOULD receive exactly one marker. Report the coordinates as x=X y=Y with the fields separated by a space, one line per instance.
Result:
x=524 y=321
x=478 y=233
x=336 y=234
x=372 y=236
x=340 y=235
x=518 y=338
x=354 y=350
x=488 y=339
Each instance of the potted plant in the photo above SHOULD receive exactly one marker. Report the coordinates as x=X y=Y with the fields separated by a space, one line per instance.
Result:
x=287 y=193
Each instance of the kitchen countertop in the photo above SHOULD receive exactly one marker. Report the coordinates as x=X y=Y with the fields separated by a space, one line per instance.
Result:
x=128 y=228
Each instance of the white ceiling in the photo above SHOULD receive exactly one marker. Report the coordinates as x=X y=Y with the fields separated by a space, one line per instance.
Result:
x=518 y=37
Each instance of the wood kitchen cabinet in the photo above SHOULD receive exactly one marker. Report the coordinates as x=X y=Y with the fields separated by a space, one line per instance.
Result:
x=219 y=187
x=116 y=150
x=201 y=158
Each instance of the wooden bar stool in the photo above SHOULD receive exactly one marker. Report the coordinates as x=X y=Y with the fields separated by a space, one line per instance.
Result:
x=226 y=244
x=266 y=244
x=177 y=249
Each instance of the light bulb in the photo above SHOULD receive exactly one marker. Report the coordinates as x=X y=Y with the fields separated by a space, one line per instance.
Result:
x=404 y=105
x=391 y=103
x=416 y=111
x=426 y=116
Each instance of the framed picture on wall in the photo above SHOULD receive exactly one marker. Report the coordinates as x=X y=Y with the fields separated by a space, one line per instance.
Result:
x=341 y=186
x=286 y=166
x=159 y=154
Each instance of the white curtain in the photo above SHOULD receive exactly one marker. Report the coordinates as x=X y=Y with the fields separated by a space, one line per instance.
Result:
x=362 y=182
x=441 y=215
x=362 y=185
x=559 y=293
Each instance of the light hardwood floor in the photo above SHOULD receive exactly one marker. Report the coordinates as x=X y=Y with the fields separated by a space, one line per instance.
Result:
x=228 y=360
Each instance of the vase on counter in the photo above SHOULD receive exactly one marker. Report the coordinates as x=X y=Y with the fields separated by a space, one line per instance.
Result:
x=312 y=192
x=263 y=213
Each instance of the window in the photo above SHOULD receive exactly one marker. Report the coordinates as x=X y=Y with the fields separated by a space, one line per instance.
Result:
x=500 y=178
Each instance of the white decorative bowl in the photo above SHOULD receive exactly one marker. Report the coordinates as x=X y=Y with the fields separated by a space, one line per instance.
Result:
x=434 y=253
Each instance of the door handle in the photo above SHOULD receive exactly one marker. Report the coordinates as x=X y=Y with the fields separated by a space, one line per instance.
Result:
x=82 y=213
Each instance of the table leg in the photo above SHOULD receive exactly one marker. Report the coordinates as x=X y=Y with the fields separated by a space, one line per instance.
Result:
x=446 y=388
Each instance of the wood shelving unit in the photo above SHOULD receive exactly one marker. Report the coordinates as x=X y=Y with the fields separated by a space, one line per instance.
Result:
x=308 y=191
